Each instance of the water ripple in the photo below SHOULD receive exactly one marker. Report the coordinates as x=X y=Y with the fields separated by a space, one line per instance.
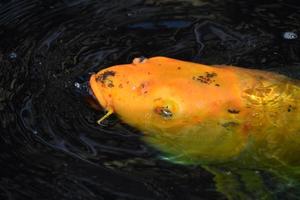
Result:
x=51 y=146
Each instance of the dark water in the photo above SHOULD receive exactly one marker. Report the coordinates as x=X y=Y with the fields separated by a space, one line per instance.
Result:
x=51 y=147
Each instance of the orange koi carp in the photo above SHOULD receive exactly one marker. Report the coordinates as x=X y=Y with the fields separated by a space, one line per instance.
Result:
x=209 y=115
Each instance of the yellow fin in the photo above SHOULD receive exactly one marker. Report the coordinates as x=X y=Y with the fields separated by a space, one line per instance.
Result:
x=109 y=112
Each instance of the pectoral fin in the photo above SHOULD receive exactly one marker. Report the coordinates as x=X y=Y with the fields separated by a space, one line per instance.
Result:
x=254 y=184
x=241 y=184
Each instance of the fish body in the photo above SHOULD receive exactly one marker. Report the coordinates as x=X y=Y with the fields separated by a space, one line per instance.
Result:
x=208 y=115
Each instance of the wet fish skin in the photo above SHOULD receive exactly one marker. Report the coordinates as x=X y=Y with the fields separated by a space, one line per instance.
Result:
x=208 y=115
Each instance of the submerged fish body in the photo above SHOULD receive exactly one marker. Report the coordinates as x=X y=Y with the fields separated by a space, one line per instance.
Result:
x=208 y=115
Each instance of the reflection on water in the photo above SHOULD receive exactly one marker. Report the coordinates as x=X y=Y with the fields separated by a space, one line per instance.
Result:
x=51 y=147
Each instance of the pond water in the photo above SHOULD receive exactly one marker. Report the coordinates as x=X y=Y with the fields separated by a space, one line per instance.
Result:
x=51 y=147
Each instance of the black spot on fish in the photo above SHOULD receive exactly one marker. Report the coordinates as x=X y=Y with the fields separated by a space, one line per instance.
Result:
x=210 y=74
x=102 y=77
x=203 y=79
x=217 y=85
x=290 y=108
x=110 y=85
x=179 y=68
x=207 y=78
x=233 y=111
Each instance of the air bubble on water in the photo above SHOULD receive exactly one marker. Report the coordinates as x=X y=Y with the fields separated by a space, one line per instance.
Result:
x=290 y=35
x=132 y=14
x=13 y=55
x=77 y=85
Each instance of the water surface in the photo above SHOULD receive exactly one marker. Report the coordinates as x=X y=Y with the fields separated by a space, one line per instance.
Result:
x=51 y=147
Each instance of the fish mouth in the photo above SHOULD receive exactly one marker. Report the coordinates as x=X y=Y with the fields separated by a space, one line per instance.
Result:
x=91 y=93
x=96 y=92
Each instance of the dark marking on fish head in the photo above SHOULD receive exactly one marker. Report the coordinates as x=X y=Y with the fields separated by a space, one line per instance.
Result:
x=290 y=108
x=143 y=88
x=233 y=111
x=211 y=74
x=105 y=78
x=206 y=78
x=110 y=84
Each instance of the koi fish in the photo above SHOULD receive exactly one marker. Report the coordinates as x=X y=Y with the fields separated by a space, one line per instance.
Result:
x=219 y=117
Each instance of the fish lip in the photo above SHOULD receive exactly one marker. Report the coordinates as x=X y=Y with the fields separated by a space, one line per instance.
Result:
x=91 y=93
x=96 y=93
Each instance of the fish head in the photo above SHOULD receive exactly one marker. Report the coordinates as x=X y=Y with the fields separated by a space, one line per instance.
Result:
x=139 y=92
x=181 y=107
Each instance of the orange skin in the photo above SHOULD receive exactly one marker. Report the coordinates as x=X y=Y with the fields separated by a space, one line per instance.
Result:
x=210 y=115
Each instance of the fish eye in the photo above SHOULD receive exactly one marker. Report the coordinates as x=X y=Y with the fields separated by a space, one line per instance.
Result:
x=165 y=112
x=165 y=108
